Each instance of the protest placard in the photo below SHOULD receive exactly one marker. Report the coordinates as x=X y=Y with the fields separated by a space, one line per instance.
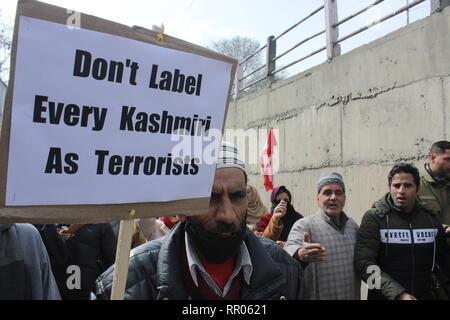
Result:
x=101 y=118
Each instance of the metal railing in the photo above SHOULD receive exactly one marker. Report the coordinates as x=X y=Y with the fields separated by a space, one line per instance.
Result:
x=332 y=45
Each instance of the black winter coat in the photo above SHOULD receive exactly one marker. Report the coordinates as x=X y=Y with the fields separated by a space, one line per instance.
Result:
x=404 y=246
x=156 y=271
x=92 y=249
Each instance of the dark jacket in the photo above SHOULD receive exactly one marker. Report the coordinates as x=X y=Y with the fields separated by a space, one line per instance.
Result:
x=92 y=249
x=25 y=272
x=404 y=246
x=156 y=271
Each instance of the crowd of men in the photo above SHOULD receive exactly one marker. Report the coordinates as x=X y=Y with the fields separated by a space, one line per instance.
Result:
x=237 y=251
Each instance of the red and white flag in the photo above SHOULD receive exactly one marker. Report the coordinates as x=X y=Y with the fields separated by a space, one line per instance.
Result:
x=266 y=160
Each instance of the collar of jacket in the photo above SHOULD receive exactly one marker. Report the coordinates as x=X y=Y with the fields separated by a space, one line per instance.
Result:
x=265 y=276
x=429 y=176
x=343 y=218
x=385 y=205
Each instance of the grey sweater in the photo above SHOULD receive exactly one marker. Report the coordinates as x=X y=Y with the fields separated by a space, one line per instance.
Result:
x=335 y=278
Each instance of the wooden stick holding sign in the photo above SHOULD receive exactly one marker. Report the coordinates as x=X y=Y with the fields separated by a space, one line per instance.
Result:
x=122 y=258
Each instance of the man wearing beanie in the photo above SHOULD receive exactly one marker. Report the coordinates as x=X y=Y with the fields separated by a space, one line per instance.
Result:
x=324 y=244
x=212 y=256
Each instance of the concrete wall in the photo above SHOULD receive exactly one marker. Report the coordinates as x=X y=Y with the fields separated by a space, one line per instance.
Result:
x=357 y=115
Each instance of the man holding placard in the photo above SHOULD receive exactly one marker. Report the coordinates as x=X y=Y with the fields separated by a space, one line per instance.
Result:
x=98 y=114
x=212 y=256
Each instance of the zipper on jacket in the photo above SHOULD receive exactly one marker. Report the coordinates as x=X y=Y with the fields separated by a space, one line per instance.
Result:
x=265 y=292
x=412 y=257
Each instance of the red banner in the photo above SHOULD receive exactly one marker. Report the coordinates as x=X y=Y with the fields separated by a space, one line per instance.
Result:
x=266 y=160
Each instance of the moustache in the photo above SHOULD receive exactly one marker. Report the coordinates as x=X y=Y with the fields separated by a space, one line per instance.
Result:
x=225 y=229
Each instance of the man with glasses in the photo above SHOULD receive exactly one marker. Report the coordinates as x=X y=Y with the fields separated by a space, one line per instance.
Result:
x=324 y=244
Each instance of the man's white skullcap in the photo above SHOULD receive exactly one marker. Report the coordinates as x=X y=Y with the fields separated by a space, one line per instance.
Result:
x=229 y=157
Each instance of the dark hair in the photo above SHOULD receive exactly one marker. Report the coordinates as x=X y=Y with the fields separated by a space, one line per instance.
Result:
x=282 y=189
x=405 y=168
x=440 y=147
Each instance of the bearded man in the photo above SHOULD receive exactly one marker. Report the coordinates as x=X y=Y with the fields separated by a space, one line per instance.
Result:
x=212 y=256
x=435 y=182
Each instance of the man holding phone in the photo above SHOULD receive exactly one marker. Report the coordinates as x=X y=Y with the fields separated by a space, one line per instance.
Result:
x=324 y=244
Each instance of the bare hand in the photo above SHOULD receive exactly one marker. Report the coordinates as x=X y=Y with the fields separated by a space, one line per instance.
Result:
x=406 y=296
x=281 y=243
x=279 y=212
x=64 y=233
x=311 y=252
x=68 y=232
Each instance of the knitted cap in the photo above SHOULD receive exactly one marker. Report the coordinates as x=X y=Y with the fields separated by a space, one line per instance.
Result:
x=330 y=178
x=229 y=157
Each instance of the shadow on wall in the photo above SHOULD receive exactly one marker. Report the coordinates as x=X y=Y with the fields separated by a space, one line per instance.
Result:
x=2 y=99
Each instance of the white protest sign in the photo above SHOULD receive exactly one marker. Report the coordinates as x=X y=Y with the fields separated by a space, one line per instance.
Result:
x=93 y=116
